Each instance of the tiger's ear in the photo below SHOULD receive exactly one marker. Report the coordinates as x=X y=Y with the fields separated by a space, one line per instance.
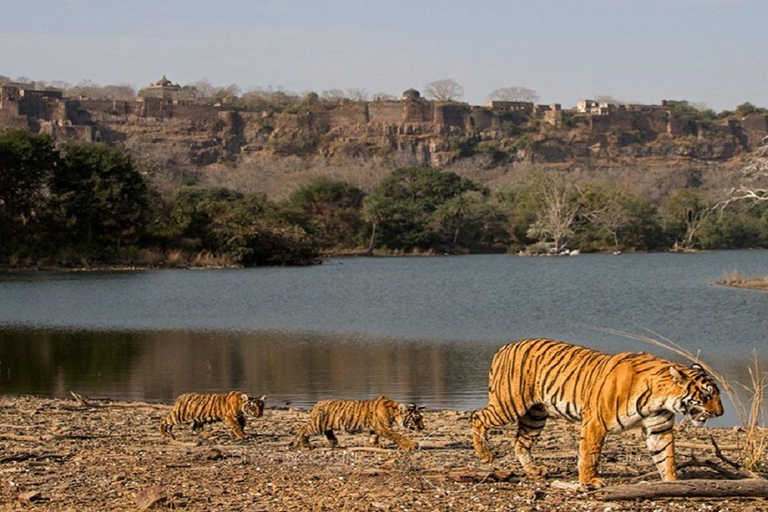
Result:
x=263 y=398
x=402 y=408
x=697 y=366
x=677 y=376
x=412 y=407
x=244 y=398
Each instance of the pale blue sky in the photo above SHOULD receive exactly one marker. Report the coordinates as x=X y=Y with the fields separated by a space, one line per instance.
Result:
x=711 y=51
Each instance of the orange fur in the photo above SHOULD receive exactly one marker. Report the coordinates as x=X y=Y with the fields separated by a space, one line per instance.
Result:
x=200 y=409
x=375 y=416
x=531 y=380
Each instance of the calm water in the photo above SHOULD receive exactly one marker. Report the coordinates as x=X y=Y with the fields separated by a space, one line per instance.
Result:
x=418 y=329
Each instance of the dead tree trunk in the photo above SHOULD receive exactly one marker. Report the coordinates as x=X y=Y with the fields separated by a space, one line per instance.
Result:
x=748 y=487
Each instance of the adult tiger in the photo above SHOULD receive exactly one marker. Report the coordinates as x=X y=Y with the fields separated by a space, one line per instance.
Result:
x=533 y=379
x=200 y=409
x=375 y=416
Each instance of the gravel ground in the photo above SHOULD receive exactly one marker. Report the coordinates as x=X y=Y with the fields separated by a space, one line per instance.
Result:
x=58 y=455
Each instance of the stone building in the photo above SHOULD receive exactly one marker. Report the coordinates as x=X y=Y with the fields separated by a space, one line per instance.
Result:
x=163 y=88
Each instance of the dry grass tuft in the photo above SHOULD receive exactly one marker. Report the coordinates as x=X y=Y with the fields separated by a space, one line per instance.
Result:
x=211 y=260
x=734 y=278
x=176 y=258
x=152 y=257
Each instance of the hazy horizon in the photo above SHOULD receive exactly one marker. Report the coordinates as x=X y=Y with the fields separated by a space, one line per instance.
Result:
x=703 y=51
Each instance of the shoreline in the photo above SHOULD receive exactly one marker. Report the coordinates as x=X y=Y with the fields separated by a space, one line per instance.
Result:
x=60 y=454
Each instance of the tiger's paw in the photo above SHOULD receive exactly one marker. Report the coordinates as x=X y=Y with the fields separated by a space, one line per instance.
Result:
x=486 y=458
x=536 y=471
x=408 y=447
x=591 y=484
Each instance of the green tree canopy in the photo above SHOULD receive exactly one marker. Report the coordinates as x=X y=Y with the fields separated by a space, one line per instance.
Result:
x=329 y=209
x=26 y=164
x=101 y=196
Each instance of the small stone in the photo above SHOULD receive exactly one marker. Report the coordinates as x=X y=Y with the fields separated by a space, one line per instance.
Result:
x=30 y=497
x=146 y=498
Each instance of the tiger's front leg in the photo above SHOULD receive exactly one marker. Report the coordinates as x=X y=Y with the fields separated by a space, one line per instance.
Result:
x=590 y=446
x=400 y=440
x=660 y=439
x=331 y=438
x=236 y=427
x=374 y=439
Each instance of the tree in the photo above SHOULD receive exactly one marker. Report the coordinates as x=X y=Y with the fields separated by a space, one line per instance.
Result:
x=606 y=98
x=557 y=215
x=446 y=89
x=26 y=163
x=454 y=215
x=334 y=95
x=373 y=213
x=514 y=94
x=607 y=210
x=101 y=196
x=406 y=203
x=329 y=209
x=686 y=212
x=750 y=182
x=383 y=96
x=357 y=94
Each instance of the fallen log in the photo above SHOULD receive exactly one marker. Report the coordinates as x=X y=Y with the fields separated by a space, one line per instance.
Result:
x=746 y=488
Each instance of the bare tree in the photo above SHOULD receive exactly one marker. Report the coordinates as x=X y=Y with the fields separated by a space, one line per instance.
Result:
x=383 y=96
x=750 y=182
x=94 y=91
x=333 y=95
x=688 y=211
x=514 y=94
x=446 y=89
x=357 y=94
x=558 y=213
x=606 y=98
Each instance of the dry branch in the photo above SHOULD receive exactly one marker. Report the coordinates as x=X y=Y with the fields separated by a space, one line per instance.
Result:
x=18 y=437
x=751 y=487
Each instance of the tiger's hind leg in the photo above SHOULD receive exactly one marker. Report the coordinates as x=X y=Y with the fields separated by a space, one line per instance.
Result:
x=331 y=438
x=166 y=429
x=482 y=421
x=302 y=438
x=530 y=425
x=197 y=426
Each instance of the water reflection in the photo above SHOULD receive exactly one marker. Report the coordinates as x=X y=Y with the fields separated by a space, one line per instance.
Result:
x=295 y=368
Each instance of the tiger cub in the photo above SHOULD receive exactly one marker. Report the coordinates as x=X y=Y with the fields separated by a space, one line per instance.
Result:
x=200 y=409
x=531 y=380
x=375 y=416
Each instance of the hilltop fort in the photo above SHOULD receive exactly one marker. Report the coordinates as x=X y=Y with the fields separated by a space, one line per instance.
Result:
x=432 y=133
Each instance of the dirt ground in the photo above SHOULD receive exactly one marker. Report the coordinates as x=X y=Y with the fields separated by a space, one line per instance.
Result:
x=58 y=455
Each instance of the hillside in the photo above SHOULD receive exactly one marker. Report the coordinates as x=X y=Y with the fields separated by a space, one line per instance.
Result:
x=266 y=147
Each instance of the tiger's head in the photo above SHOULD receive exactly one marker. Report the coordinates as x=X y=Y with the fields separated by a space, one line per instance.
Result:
x=700 y=399
x=409 y=416
x=253 y=406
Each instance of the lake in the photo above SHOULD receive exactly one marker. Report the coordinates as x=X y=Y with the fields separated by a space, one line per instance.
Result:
x=417 y=329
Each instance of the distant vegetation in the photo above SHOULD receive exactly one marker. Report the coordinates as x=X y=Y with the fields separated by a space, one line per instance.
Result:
x=88 y=204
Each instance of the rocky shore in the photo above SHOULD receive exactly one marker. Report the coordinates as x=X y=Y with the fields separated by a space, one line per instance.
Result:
x=61 y=454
